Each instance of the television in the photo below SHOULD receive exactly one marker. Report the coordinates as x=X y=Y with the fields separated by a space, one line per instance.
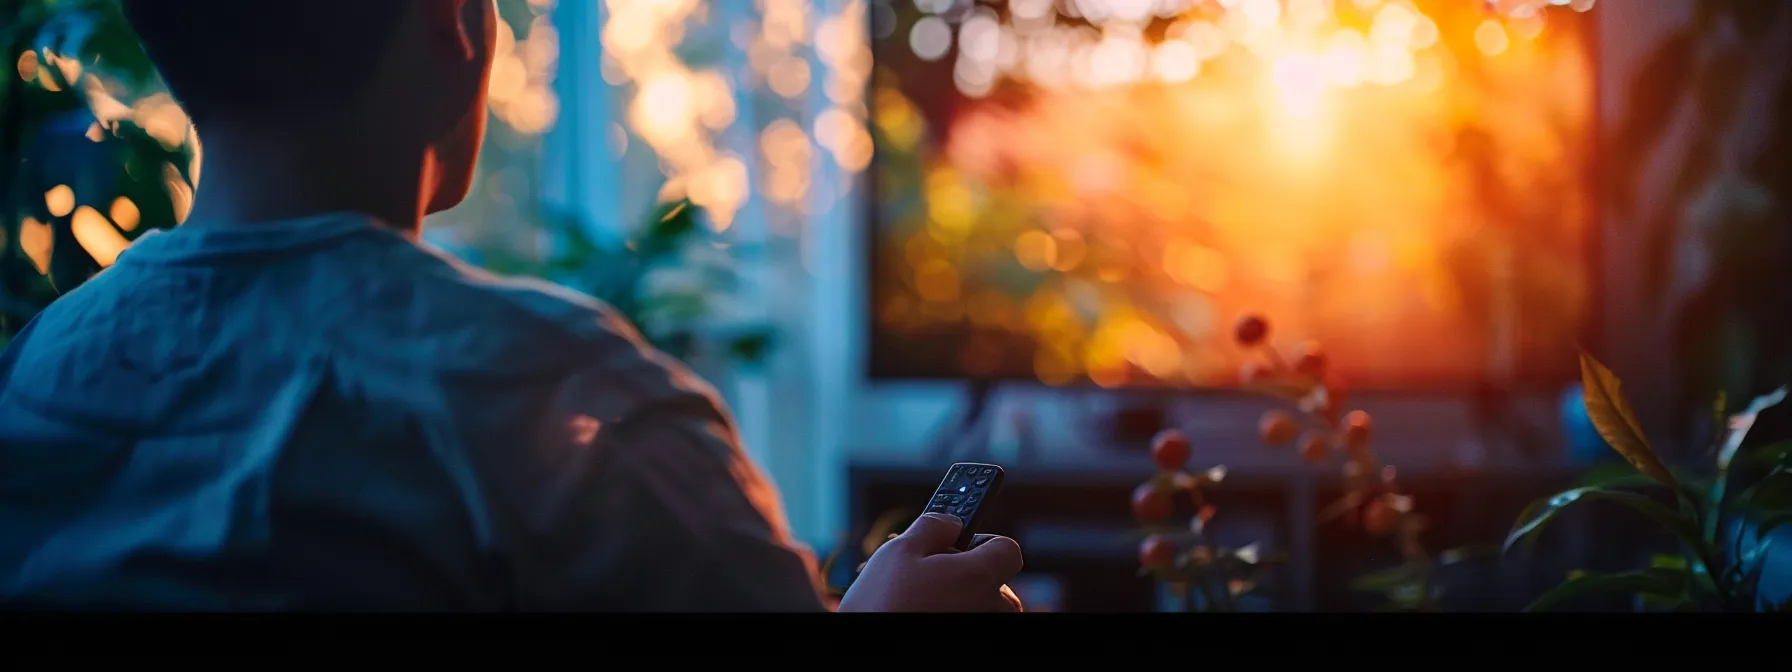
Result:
x=1078 y=192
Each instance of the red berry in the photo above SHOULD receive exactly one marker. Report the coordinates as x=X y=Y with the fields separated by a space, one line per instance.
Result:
x=1250 y=330
x=1315 y=445
x=1357 y=431
x=1157 y=553
x=1379 y=517
x=1276 y=428
x=1151 y=505
x=1170 y=450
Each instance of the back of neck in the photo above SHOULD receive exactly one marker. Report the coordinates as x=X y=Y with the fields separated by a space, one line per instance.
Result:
x=257 y=176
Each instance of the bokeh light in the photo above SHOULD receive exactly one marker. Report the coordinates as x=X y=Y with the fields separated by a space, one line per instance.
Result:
x=682 y=110
x=1105 y=182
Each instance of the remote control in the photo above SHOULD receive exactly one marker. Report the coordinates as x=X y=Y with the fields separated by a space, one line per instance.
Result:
x=965 y=493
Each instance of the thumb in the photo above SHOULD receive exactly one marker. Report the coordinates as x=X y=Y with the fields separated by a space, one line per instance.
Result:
x=999 y=556
x=933 y=532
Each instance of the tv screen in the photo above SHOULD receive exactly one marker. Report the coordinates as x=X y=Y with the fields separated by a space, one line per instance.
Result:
x=1094 y=191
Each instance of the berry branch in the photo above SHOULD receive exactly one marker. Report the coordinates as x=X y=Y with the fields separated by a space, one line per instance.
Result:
x=1207 y=576
x=1319 y=429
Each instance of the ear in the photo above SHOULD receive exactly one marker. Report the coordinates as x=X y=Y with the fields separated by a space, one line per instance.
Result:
x=454 y=28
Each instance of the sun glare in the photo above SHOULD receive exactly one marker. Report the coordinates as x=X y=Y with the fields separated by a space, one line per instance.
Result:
x=1326 y=161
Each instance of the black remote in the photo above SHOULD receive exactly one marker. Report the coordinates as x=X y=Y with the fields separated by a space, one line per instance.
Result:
x=965 y=493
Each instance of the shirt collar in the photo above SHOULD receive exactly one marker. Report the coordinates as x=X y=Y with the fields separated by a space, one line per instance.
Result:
x=195 y=242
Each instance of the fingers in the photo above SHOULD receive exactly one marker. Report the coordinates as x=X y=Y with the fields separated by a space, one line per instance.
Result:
x=977 y=540
x=1012 y=599
x=1003 y=601
x=998 y=557
x=932 y=533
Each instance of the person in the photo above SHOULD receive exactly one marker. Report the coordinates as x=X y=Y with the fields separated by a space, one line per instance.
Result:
x=290 y=403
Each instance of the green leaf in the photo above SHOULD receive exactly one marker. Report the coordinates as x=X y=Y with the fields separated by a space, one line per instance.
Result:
x=671 y=223
x=1384 y=580
x=1772 y=493
x=1664 y=584
x=1747 y=589
x=1625 y=477
x=1657 y=603
x=1617 y=424
x=1768 y=502
x=1668 y=562
x=1613 y=475
x=1738 y=426
x=1542 y=511
x=1771 y=523
x=1461 y=553
x=751 y=347
x=1734 y=432
x=1765 y=456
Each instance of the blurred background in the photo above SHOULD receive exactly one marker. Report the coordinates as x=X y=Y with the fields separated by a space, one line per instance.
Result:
x=902 y=233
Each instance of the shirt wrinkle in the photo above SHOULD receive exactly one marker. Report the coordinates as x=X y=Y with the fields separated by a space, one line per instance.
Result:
x=223 y=396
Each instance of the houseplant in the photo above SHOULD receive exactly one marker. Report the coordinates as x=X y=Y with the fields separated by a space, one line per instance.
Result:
x=92 y=152
x=1722 y=521
x=1205 y=574
x=668 y=278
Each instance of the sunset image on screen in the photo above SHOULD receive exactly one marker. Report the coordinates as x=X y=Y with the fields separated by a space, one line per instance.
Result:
x=1094 y=191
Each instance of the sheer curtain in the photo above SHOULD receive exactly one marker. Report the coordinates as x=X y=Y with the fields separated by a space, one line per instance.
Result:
x=582 y=157
x=797 y=255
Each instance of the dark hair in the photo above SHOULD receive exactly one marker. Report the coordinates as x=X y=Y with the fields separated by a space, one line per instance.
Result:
x=263 y=57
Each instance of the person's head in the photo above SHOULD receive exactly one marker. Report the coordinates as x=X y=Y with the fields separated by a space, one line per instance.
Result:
x=395 y=78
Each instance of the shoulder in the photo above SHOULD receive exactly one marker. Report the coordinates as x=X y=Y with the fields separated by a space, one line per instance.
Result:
x=486 y=326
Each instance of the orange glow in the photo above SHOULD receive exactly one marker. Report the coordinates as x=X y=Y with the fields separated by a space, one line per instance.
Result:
x=125 y=214
x=1491 y=38
x=681 y=109
x=36 y=239
x=59 y=200
x=937 y=281
x=97 y=236
x=1341 y=166
x=27 y=65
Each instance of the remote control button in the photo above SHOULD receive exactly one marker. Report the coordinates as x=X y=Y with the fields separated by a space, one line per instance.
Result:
x=988 y=471
x=973 y=498
x=965 y=511
x=954 y=499
x=940 y=498
x=980 y=482
x=937 y=508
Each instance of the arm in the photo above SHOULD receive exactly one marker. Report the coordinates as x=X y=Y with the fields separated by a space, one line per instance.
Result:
x=658 y=509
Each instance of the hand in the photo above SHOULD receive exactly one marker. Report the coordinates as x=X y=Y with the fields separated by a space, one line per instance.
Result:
x=1007 y=593
x=919 y=571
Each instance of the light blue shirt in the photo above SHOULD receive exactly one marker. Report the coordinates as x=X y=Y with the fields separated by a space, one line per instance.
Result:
x=325 y=414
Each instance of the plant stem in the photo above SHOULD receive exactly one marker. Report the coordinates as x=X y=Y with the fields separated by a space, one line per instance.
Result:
x=1275 y=358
